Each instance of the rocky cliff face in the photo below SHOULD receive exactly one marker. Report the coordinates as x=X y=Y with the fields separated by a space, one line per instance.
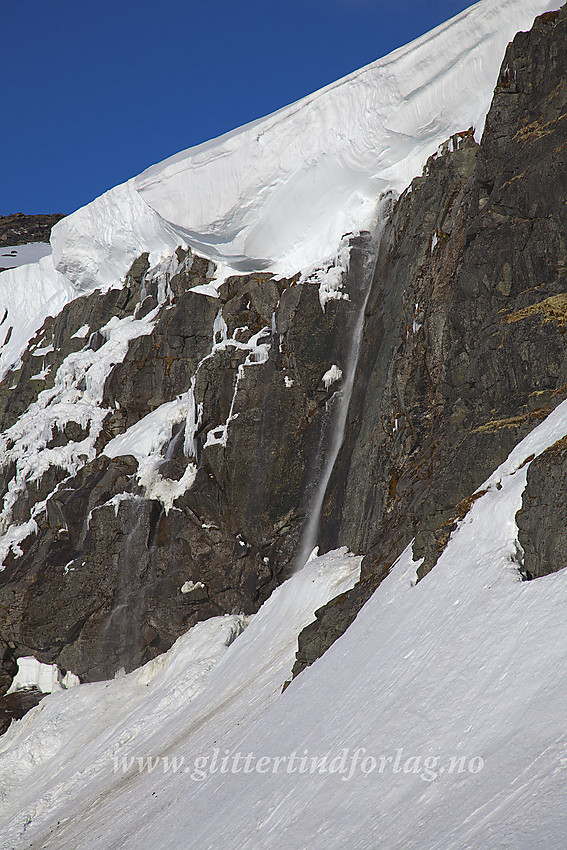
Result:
x=109 y=559
x=19 y=229
x=162 y=448
x=464 y=347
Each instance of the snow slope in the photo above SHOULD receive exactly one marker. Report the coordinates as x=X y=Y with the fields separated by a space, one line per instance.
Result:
x=12 y=256
x=468 y=665
x=66 y=752
x=279 y=193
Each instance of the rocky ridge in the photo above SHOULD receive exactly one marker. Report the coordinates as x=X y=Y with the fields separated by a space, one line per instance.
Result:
x=19 y=229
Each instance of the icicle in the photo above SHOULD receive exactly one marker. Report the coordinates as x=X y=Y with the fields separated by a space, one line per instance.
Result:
x=333 y=375
x=192 y=422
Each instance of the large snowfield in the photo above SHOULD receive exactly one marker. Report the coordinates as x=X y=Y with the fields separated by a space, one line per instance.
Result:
x=438 y=719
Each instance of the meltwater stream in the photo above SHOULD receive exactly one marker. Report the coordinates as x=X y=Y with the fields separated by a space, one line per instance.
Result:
x=311 y=529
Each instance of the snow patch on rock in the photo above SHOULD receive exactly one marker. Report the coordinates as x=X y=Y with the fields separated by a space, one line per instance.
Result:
x=331 y=376
x=45 y=677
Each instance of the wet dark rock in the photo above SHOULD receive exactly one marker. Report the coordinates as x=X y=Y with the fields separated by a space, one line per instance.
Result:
x=99 y=585
x=159 y=366
x=8 y=666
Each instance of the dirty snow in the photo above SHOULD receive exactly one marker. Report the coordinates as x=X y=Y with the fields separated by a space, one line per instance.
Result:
x=45 y=677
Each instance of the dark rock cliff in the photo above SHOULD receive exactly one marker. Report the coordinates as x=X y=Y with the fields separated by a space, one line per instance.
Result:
x=542 y=520
x=462 y=353
x=464 y=349
x=105 y=575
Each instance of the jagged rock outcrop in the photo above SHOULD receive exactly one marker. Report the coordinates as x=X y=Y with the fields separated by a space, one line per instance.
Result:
x=104 y=568
x=19 y=229
x=464 y=348
x=8 y=668
x=15 y=705
x=542 y=519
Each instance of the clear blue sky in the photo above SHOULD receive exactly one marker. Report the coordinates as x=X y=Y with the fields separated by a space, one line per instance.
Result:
x=93 y=93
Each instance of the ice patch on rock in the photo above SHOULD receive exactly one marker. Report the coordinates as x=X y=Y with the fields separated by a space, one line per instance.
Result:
x=45 y=677
x=331 y=376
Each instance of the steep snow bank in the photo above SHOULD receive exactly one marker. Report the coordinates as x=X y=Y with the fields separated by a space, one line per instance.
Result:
x=280 y=192
x=70 y=751
x=28 y=295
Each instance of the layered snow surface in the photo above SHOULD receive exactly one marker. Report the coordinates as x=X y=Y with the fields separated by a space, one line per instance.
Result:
x=279 y=193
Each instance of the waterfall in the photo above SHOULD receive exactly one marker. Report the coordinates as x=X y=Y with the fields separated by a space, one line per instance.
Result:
x=120 y=633
x=311 y=529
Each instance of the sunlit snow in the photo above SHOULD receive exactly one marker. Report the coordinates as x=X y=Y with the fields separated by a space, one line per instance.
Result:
x=279 y=193
x=12 y=256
